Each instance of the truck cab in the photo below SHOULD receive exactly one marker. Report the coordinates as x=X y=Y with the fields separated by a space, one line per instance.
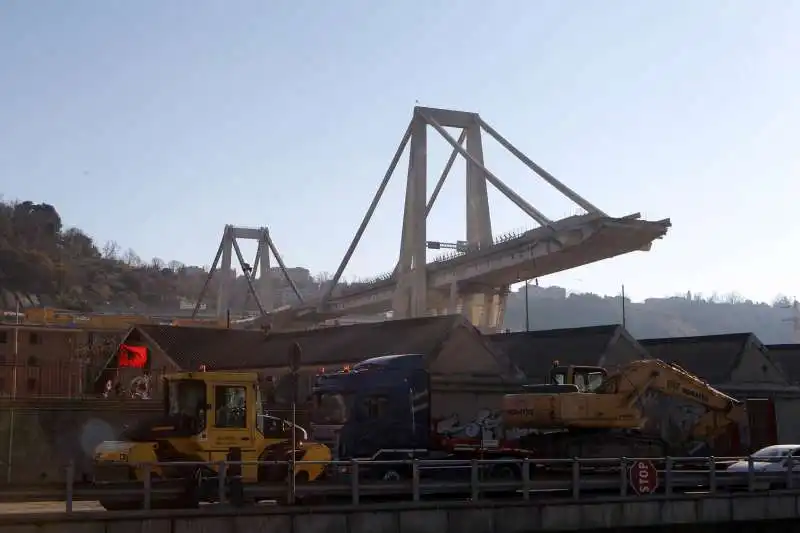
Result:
x=380 y=403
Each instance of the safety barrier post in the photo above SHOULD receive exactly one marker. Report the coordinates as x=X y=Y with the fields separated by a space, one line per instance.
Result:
x=475 y=480
x=290 y=492
x=712 y=475
x=668 y=471
x=751 y=474
x=146 y=472
x=415 y=479
x=354 y=475
x=526 y=479
x=623 y=476
x=70 y=486
x=576 y=478
x=222 y=474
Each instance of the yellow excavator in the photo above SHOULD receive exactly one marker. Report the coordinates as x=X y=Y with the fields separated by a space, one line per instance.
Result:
x=586 y=411
x=208 y=417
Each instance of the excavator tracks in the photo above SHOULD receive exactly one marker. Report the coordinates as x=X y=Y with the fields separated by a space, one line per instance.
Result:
x=595 y=444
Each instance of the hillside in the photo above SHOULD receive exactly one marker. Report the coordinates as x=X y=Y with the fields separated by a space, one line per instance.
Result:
x=66 y=268
x=655 y=317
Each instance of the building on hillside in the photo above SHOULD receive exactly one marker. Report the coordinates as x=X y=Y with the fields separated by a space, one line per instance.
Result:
x=457 y=352
x=787 y=357
x=740 y=365
x=535 y=351
x=50 y=361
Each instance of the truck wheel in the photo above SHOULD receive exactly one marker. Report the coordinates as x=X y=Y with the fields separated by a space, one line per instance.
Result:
x=391 y=475
x=504 y=472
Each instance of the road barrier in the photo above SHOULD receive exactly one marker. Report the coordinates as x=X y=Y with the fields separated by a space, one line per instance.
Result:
x=356 y=481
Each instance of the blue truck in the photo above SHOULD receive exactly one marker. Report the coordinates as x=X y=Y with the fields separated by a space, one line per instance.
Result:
x=382 y=409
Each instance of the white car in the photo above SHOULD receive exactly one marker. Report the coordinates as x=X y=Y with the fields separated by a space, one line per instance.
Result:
x=770 y=460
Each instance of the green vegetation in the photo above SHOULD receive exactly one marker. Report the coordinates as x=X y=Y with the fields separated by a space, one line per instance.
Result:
x=65 y=268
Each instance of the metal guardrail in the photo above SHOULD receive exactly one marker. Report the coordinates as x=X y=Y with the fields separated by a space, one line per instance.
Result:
x=477 y=479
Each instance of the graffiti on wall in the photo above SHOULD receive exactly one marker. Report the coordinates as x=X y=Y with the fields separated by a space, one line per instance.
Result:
x=669 y=417
x=485 y=426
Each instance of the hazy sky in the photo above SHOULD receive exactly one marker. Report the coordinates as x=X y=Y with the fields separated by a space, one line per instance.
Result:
x=156 y=122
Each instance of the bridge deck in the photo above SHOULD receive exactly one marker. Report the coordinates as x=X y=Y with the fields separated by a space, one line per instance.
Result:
x=570 y=243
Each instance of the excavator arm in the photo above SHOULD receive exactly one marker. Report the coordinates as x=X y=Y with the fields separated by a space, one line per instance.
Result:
x=634 y=380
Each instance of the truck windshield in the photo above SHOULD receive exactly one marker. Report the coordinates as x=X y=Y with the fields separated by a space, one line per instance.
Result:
x=186 y=397
x=329 y=408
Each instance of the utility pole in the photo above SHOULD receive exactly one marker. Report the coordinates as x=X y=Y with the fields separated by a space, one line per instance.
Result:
x=527 y=309
x=295 y=361
x=13 y=396
x=623 y=305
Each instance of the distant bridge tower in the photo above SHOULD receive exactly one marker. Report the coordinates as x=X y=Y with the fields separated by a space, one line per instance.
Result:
x=258 y=275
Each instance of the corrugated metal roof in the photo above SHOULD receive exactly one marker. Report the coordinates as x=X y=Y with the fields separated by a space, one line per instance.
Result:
x=712 y=357
x=228 y=349
x=534 y=351
x=787 y=357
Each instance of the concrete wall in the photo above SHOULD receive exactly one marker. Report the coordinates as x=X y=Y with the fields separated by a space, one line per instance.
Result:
x=51 y=361
x=787 y=411
x=47 y=435
x=766 y=514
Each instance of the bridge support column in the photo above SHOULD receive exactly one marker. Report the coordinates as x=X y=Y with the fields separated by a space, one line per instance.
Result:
x=224 y=287
x=454 y=300
x=264 y=283
x=410 y=298
x=482 y=308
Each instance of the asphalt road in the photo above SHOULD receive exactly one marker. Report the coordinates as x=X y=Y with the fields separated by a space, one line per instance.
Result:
x=46 y=507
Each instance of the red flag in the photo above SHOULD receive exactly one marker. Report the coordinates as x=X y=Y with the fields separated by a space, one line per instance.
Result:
x=132 y=356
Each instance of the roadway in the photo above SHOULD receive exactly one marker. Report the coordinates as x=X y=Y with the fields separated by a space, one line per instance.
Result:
x=46 y=507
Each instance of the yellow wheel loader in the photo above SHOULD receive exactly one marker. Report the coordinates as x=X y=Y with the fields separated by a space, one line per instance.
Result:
x=206 y=417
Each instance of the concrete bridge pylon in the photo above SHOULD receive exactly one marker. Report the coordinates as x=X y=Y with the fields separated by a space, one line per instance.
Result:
x=484 y=306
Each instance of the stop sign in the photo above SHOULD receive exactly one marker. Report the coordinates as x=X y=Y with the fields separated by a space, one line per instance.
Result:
x=643 y=477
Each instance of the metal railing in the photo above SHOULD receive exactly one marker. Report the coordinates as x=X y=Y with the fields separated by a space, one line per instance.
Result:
x=356 y=481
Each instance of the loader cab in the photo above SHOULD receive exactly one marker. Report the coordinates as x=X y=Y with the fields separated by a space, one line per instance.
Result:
x=218 y=410
x=585 y=378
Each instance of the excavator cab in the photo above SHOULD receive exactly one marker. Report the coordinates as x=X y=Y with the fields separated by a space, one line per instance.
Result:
x=585 y=378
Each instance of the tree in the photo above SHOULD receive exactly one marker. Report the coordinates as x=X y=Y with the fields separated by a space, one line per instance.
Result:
x=131 y=258
x=733 y=298
x=781 y=300
x=175 y=266
x=77 y=244
x=157 y=264
x=110 y=250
